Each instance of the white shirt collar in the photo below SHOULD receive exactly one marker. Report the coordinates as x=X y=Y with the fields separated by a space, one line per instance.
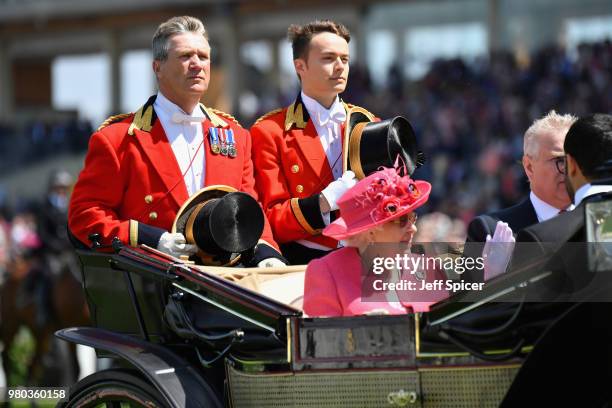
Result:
x=545 y=211
x=171 y=108
x=322 y=115
x=589 y=190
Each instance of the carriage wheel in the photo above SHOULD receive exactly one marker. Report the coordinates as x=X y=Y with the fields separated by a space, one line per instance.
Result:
x=114 y=389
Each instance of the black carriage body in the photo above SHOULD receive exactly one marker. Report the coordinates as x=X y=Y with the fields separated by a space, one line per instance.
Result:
x=253 y=351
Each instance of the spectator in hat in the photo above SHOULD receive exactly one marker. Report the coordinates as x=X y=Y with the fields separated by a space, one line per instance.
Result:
x=141 y=167
x=379 y=209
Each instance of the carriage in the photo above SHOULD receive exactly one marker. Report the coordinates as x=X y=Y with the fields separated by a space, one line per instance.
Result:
x=183 y=335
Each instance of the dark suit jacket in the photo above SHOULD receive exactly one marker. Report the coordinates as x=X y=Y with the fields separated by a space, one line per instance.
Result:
x=518 y=216
x=554 y=241
x=559 y=245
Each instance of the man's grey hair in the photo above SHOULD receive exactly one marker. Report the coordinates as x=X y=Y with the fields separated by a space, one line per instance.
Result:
x=176 y=25
x=551 y=123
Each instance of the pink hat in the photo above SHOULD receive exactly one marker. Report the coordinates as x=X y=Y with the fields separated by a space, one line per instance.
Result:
x=378 y=198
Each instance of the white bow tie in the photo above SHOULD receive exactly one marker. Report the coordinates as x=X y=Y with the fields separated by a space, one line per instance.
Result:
x=179 y=118
x=336 y=117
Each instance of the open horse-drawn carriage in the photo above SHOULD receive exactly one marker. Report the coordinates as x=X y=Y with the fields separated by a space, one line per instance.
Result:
x=196 y=336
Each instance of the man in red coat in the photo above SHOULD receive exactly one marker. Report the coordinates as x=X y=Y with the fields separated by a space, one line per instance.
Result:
x=140 y=168
x=298 y=150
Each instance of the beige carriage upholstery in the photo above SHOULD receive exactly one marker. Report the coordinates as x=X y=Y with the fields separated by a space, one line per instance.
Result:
x=284 y=284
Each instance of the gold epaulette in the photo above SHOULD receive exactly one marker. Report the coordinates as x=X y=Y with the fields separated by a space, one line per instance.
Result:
x=350 y=105
x=225 y=115
x=267 y=115
x=113 y=119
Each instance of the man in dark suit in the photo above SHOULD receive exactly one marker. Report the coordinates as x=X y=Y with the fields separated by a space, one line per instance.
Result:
x=542 y=161
x=588 y=146
x=586 y=365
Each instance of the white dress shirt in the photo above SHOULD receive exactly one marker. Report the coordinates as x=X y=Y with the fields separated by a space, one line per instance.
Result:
x=543 y=210
x=588 y=190
x=328 y=123
x=186 y=137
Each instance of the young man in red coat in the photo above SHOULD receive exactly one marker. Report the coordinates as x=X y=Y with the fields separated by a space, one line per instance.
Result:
x=140 y=168
x=298 y=150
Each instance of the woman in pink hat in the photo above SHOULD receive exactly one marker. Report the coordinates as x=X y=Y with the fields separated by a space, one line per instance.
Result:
x=378 y=209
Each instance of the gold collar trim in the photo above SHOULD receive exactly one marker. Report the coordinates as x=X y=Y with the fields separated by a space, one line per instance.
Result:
x=214 y=118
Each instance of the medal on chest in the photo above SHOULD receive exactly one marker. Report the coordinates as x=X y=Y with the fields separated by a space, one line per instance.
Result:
x=213 y=138
x=223 y=136
x=222 y=141
x=231 y=144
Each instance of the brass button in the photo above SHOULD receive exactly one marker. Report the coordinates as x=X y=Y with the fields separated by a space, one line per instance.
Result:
x=295 y=168
x=148 y=199
x=299 y=188
x=153 y=215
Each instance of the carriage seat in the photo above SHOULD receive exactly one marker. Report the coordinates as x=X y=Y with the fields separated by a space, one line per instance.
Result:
x=284 y=284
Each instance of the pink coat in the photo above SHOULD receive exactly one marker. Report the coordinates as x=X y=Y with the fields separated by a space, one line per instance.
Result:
x=333 y=287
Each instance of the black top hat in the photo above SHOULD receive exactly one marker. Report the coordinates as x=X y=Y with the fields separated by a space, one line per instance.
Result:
x=221 y=222
x=373 y=144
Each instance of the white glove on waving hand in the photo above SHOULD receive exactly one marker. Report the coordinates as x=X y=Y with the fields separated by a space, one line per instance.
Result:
x=337 y=188
x=498 y=250
x=173 y=243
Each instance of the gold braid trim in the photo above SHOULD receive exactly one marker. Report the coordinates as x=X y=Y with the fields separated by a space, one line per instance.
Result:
x=297 y=212
x=350 y=106
x=113 y=119
x=133 y=233
x=267 y=115
x=353 y=150
x=225 y=115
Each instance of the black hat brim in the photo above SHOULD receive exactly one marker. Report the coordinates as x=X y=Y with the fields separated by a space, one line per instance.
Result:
x=221 y=222
x=203 y=195
x=236 y=222
x=386 y=143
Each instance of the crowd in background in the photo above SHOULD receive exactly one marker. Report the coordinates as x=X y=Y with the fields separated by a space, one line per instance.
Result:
x=469 y=119
x=39 y=140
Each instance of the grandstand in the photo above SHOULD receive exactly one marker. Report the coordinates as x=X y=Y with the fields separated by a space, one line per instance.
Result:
x=470 y=74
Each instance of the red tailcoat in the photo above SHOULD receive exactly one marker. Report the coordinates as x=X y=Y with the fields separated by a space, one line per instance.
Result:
x=131 y=186
x=291 y=169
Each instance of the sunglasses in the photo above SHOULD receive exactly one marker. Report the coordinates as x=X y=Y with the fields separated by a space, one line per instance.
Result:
x=403 y=220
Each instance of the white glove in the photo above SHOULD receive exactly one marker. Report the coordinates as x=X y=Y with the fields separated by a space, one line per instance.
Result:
x=271 y=263
x=337 y=188
x=174 y=244
x=498 y=251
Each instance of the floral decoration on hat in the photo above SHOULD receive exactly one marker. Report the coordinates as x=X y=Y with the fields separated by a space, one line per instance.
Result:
x=381 y=197
x=389 y=193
